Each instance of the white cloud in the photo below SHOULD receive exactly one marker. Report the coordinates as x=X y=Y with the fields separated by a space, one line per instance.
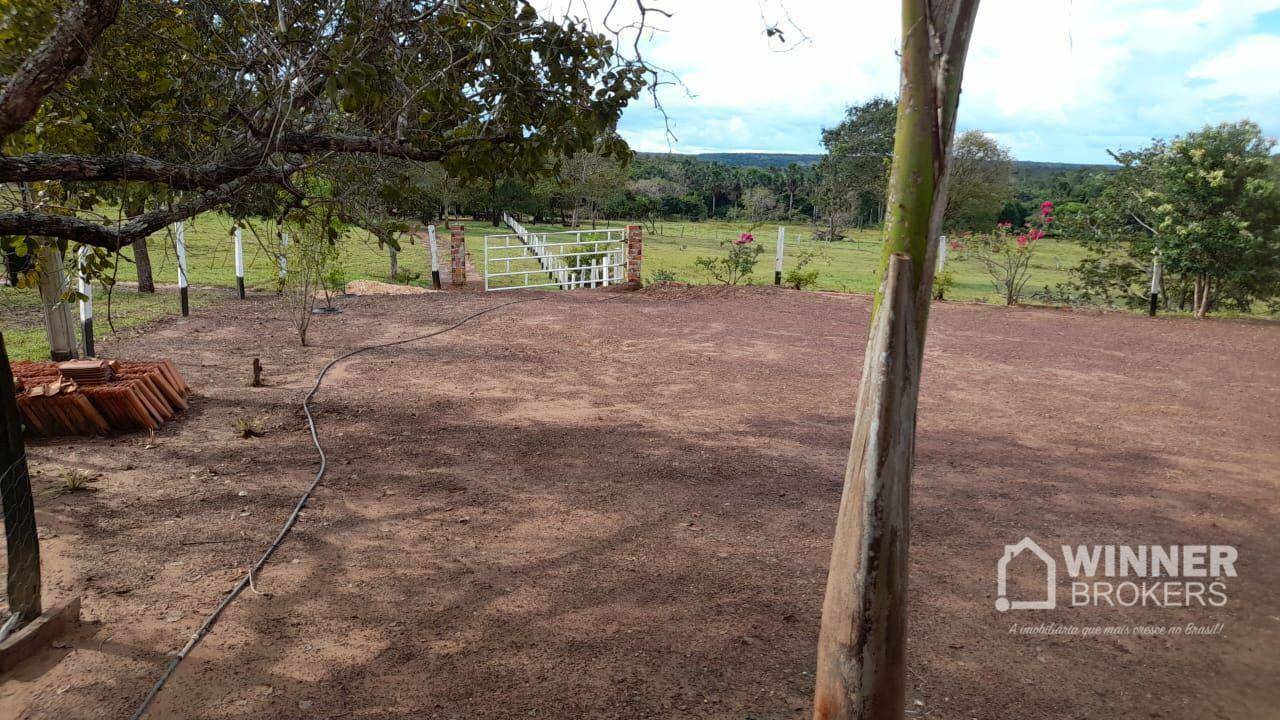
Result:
x=1060 y=79
x=1249 y=69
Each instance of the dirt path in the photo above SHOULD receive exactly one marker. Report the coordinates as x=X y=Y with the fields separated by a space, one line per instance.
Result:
x=622 y=509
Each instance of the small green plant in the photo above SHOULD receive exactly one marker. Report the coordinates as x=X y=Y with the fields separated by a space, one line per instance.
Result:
x=943 y=282
x=662 y=275
x=334 y=282
x=799 y=277
x=737 y=265
x=404 y=277
x=73 y=481
x=250 y=427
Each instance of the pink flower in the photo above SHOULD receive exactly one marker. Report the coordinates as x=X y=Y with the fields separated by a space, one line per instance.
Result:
x=1022 y=241
x=744 y=238
x=1048 y=219
x=1036 y=234
x=1004 y=225
x=955 y=245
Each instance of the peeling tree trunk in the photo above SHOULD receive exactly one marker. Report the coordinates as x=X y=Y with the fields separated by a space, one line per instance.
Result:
x=861 y=668
x=57 y=311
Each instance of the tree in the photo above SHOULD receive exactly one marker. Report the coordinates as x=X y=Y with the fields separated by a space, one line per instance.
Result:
x=861 y=670
x=238 y=94
x=585 y=180
x=859 y=149
x=760 y=203
x=981 y=181
x=1207 y=202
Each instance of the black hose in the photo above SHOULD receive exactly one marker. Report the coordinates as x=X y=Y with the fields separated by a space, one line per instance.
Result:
x=247 y=580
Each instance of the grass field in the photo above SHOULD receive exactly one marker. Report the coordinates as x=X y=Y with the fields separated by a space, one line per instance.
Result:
x=211 y=270
x=844 y=266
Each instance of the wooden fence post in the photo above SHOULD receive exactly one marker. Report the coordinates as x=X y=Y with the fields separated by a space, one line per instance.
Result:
x=180 y=242
x=284 y=257
x=458 y=255
x=862 y=653
x=777 y=256
x=1157 y=282
x=435 y=257
x=240 y=263
x=86 y=304
x=22 y=543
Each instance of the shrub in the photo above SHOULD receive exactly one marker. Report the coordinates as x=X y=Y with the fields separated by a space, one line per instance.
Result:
x=800 y=278
x=737 y=265
x=1006 y=253
x=942 y=284
x=662 y=275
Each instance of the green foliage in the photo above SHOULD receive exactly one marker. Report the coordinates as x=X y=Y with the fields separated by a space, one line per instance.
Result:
x=981 y=181
x=662 y=275
x=1207 y=202
x=335 y=280
x=736 y=265
x=1006 y=253
x=802 y=276
x=312 y=251
x=942 y=283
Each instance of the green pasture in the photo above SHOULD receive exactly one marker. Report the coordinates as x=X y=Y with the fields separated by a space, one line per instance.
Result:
x=211 y=271
x=847 y=265
x=844 y=266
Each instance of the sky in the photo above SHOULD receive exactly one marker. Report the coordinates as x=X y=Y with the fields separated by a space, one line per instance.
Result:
x=1053 y=80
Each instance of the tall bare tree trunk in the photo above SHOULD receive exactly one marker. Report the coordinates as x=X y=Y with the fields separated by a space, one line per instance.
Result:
x=861 y=669
x=141 y=257
x=142 y=260
x=1203 y=285
x=395 y=263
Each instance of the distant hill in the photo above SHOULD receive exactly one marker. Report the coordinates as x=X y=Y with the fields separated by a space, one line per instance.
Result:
x=1022 y=168
x=761 y=160
x=1026 y=169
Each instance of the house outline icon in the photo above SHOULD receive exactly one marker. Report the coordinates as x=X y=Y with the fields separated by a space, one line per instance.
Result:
x=1050 y=602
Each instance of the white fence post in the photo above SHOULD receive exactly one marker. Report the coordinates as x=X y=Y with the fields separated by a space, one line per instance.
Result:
x=86 y=303
x=180 y=244
x=240 y=263
x=284 y=260
x=777 y=256
x=942 y=254
x=435 y=258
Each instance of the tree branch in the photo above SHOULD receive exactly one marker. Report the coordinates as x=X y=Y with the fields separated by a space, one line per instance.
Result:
x=247 y=163
x=115 y=237
x=62 y=53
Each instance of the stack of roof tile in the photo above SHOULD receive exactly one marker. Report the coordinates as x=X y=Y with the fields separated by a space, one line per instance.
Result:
x=98 y=397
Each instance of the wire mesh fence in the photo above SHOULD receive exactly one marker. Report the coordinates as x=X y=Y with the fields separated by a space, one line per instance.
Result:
x=22 y=544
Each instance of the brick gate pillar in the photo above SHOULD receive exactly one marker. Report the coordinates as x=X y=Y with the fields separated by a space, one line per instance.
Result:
x=458 y=255
x=635 y=253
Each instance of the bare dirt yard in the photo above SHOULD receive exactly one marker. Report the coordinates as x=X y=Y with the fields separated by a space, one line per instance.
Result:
x=576 y=508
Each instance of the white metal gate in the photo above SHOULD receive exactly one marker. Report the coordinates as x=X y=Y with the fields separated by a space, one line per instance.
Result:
x=562 y=260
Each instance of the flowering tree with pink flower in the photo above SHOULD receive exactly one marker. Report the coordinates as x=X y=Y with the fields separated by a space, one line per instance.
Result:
x=1006 y=253
x=737 y=264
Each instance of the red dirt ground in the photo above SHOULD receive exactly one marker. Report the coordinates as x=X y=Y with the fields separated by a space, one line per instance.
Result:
x=623 y=509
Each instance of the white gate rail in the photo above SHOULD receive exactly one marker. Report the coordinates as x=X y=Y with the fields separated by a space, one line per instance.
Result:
x=564 y=260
